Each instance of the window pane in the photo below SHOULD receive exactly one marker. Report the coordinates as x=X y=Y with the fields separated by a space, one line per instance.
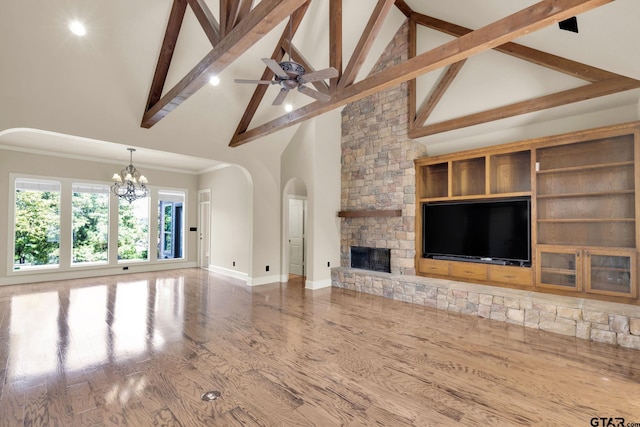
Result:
x=133 y=230
x=170 y=224
x=90 y=223
x=37 y=223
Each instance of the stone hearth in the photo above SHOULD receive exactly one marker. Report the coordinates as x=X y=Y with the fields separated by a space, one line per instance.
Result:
x=600 y=321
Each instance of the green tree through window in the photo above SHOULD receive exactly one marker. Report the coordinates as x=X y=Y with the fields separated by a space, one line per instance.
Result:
x=37 y=223
x=133 y=230
x=90 y=204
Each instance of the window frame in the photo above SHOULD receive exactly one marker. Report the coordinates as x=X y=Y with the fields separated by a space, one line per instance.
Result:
x=65 y=265
x=109 y=219
x=14 y=179
x=171 y=196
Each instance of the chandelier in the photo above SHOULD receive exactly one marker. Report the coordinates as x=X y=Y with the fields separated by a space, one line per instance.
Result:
x=129 y=184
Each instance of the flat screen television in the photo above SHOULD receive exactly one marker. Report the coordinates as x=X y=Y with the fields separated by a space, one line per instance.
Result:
x=493 y=231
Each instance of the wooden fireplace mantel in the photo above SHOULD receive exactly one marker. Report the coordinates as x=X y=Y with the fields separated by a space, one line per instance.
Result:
x=370 y=213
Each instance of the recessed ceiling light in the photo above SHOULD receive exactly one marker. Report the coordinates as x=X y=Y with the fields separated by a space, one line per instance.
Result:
x=288 y=108
x=78 y=28
x=214 y=80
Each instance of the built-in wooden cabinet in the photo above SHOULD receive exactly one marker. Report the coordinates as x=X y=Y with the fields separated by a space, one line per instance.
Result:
x=591 y=270
x=510 y=172
x=492 y=175
x=586 y=193
x=584 y=203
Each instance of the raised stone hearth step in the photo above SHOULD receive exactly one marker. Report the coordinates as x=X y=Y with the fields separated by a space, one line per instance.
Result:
x=601 y=321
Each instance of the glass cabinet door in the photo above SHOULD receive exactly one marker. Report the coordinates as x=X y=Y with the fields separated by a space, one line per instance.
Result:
x=611 y=272
x=559 y=268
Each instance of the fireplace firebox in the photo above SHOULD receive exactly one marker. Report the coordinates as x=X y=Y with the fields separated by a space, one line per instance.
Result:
x=375 y=259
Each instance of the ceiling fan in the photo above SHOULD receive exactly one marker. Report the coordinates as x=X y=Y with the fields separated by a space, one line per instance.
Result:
x=291 y=75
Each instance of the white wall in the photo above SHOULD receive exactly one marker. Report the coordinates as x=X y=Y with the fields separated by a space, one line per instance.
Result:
x=326 y=224
x=14 y=162
x=313 y=156
x=231 y=220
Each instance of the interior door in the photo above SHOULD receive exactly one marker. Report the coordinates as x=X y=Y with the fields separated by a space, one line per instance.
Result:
x=296 y=236
x=204 y=243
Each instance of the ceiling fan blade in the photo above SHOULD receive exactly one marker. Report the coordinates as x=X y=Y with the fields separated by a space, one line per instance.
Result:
x=281 y=96
x=259 y=82
x=314 y=94
x=275 y=67
x=327 y=73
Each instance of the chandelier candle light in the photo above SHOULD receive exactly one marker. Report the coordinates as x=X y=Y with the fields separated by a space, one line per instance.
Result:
x=129 y=184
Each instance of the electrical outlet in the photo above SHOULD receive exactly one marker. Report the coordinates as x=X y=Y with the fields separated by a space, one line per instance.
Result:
x=125 y=268
x=234 y=263
x=267 y=268
x=328 y=263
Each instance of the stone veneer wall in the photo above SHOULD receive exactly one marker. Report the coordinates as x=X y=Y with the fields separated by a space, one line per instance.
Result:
x=378 y=170
x=600 y=321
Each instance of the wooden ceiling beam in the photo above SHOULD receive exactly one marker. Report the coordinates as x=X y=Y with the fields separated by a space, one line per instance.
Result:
x=206 y=19
x=404 y=8
x=278 y=54
x=243 y=10
x=436 y=95
x=262 y=19
x=411 y=84
x=365 y=42
x=232 y=13
x=335 y=41
x=583 y=93
x=544 y=59
x=176 y=16
x=535 y=17
x=222 y=13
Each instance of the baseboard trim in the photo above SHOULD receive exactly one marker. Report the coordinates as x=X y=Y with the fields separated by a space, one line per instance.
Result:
x=25 y=277
x=317 y=284
x=228 y=272
x=257 y=281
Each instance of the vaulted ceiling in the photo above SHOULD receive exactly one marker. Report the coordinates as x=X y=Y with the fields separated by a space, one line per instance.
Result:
x=241 y=26
x=477 y=67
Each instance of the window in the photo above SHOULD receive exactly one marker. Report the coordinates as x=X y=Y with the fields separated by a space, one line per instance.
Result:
x=133 y=230
x=37 y=223
x=90 y=223
x=170 y=224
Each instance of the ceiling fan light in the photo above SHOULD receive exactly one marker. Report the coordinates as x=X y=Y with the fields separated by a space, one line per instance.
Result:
x=288 y=107
x=214 y=81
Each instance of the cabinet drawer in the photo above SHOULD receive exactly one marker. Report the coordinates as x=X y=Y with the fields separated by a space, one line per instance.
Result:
x=432 y=266
x=511 y=275
x=469 y=270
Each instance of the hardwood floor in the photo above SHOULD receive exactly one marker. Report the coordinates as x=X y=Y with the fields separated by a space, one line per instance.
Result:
x=141 y=349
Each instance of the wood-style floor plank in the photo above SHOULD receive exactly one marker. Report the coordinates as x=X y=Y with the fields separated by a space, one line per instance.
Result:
x=141 y=349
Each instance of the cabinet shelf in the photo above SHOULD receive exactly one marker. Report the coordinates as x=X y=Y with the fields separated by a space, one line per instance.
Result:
x=563 y=271
x=610 y=269
x=585 y=168
x=587 y=194
x=481 y=196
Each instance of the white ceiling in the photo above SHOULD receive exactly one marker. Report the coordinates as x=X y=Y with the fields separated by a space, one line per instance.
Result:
x=85 y=96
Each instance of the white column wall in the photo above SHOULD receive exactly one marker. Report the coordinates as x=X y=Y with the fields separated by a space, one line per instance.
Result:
x=313 y=156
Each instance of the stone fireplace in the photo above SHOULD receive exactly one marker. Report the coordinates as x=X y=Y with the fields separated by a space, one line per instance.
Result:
x=378 y=171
